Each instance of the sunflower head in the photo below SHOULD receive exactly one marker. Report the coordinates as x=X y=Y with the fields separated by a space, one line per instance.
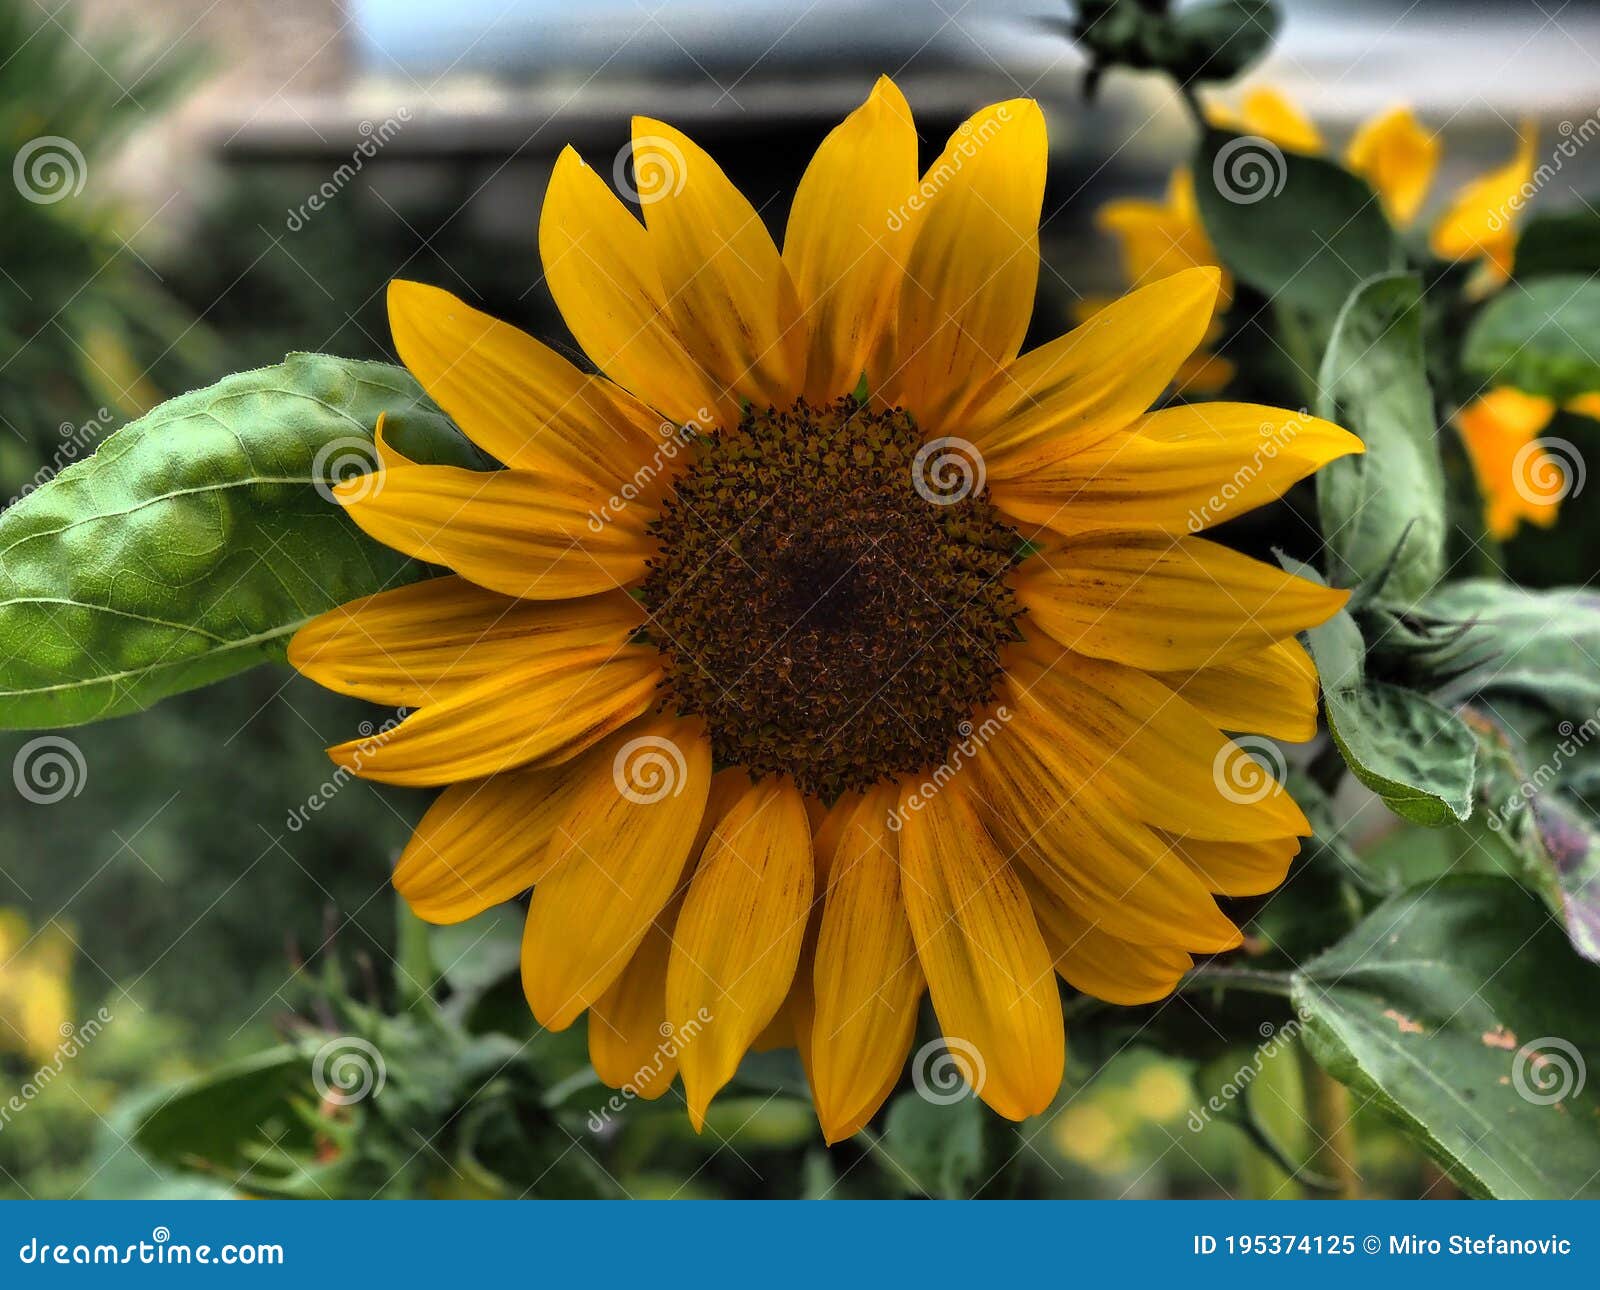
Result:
x=821 y=650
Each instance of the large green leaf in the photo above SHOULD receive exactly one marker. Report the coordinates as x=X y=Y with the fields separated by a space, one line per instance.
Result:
x=1417 y=756
x=1539 y=336
x=1461 y=1009
x=1387 y=505
x=1563 y=242
x=194 y=542
x=1298 y=228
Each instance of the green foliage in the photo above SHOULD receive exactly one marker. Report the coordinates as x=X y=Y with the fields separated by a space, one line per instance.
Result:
x=1464 y=1013
x=1539 y=337
x=1560 y=242
x=1384 y=511
x=1213 y=41
x=195 y=542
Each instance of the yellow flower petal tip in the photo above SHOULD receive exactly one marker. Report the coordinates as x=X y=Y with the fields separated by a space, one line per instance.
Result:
x=809 y=892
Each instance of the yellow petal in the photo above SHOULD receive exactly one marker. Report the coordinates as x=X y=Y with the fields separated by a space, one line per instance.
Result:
x=847 y=241
x=631 y=1043
x=867 y=976
x=432 y=639
x=518 y=400
x=1271 y=691
x=988 y=970
x=536 y=536
x=1239 y=868
x=1088 y=847
x=616 y=859
x=1142 y=744
x=1093 y=961
x=484 y=841
x=601 y=269
x=738 y=938
x=1166 y=603
x=730 y=296
x=1499 y=429
x=1102 y=374
x=1269 y=113
x=1397 y=157
x=543 y=712
x=1479 y=221
x=969 y=284
x=1159 y=239
x=1179 y=470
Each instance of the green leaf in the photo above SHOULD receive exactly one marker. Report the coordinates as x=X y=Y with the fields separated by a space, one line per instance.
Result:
x=194 y=542
x=1389 y=503
x=1464 y=1013
x=1298 y=228
x=1565 y=242
x=1209 y=42
x=934 y=1148
x=1539 y=337
x=1417 y=756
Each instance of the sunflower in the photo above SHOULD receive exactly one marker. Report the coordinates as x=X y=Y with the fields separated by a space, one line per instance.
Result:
x=1519 y=478
x=826 y=650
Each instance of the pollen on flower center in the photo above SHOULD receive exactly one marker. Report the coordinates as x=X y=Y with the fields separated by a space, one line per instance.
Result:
x=825 y=616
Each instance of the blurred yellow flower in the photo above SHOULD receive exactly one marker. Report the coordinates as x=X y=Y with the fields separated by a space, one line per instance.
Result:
x=35 y=992
x=1520 y=480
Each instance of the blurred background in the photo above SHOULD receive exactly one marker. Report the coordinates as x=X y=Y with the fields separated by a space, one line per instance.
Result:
x=241 y=178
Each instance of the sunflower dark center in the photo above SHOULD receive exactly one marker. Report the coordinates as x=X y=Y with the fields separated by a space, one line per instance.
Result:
x=830 y=602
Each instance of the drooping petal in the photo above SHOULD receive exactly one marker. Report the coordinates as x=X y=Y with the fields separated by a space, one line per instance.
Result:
x=738 y=938
x=1271 y=691
x=631 y=1043
x=1179 y=470
x=867 y=975
x=536 y=536
x=1397 y=157
x=601 y=269
x=988 y=970
x=847 y=240
x=1166 y=603
x=1480 y=222
x=730 y=297
x=1093 y=961
x=541 y=712
x=486 y=840
x=517 y=399
x=616 y=858
x=968 y=290
x=432 y=639
x=1239 y=868
x=1103 y=373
